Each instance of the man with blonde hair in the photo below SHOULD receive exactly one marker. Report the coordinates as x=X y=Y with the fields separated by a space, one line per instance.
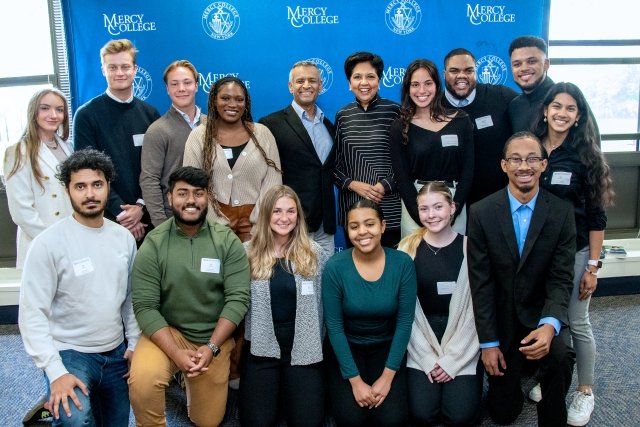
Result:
x=164 y=141
x=115 y=122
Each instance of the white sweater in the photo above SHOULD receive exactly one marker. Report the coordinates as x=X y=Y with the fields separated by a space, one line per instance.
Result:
x=76 y=292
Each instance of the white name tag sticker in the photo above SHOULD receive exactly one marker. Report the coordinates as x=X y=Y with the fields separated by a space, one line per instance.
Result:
x=449 y=140
x=307 y=287
x=446 y=288
x=82 y=266
x=228 y=153
x=484 y=122
x=138 y=139
x=210 y=265
x=561 y=178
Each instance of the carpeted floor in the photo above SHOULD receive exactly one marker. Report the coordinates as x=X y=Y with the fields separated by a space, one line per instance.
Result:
x=615 y=320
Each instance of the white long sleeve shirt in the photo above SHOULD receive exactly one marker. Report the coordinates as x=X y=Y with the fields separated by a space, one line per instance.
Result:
x=76 y=293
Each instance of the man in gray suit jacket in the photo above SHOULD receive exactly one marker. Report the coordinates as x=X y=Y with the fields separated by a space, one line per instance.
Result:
x=307 y=154
x=521 y=249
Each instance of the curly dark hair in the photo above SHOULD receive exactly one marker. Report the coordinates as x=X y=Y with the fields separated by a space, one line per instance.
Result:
x=584 y=138
x=88 y=158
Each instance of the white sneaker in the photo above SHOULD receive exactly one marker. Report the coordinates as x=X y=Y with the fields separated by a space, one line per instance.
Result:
x=581 y=408
x=535 y=393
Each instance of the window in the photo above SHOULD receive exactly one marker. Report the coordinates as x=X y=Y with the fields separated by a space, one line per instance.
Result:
x=596 y=45
x=28 y=62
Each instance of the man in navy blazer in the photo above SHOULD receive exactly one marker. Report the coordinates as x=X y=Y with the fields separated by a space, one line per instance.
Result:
x=521 y=250
x=304 y=137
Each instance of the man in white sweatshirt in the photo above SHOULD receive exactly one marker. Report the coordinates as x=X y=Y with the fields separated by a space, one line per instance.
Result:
x=75 y=297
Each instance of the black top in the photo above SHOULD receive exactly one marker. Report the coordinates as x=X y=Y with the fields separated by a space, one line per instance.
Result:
x=235 y=153
x=566 y=177
x=445 y=155
x=524 y=107
x=362 y=154
x=283 y=294
x=489 y=113
x=444 y=266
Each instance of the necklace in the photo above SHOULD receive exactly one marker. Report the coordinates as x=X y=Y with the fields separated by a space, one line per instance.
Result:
x=431 y=249
x=51 y=144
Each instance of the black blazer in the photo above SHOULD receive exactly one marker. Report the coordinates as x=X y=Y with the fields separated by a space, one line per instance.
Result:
x=509 y=290
x=302 y=169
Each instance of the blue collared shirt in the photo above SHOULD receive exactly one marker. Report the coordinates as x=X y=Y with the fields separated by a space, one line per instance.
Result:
x=318 y=132
x=521 y=216
x=456 y=102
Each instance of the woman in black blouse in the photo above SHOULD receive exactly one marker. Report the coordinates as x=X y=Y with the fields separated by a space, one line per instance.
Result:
x=430 y=143
x=577 y=172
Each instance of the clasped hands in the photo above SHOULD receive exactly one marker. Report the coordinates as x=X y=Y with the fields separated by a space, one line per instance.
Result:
x=130 y=218
x=193 y=362
x=372 y=396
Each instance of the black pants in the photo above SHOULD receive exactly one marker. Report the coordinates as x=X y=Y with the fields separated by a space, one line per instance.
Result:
x=370 y=360
x=271 y=388
x=505 y=397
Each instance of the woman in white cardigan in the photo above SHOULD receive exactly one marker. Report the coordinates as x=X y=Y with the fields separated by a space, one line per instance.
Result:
x=444 y=374
x=282 y=362
x=35 y=196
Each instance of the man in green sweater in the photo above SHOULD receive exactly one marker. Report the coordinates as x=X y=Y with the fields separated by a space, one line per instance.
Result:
x=190 y=285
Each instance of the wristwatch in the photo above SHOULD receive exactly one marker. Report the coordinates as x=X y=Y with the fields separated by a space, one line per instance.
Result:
x=595 y=262
x=214 y=349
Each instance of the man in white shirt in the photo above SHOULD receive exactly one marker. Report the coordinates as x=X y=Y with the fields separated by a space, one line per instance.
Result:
x=75 y=297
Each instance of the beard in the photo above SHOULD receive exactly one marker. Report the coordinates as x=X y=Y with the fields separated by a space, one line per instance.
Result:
x=177 y=214
x=86 y=213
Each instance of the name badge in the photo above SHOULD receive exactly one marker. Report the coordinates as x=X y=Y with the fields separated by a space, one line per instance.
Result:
x=307 y=287
x=82 y=266
x=449 y=140
x=446 y=288
x=561 y=178
x=210 y=265
x=228 y=153
x=138 y=139
x=484 y=122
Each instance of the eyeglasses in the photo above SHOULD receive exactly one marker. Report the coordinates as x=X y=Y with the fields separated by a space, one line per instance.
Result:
x=517 y=161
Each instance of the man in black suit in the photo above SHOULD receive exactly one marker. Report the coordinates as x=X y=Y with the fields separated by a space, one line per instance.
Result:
x=521 y=249
x=307 y=154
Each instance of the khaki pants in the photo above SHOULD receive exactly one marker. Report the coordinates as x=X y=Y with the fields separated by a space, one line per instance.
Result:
x=152 y=370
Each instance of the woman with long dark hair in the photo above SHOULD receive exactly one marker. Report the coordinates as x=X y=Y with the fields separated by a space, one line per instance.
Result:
x=578 y=173
x=36 y=198
x=430 y=142
x=241 y=156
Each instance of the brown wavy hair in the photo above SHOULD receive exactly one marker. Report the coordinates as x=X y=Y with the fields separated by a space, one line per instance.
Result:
x=30 y=139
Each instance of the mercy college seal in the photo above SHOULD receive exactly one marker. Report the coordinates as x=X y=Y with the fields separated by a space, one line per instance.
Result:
x=491 y=70
x=326 y=73
x=142 y=84
x=403 y=16
x=220 y=20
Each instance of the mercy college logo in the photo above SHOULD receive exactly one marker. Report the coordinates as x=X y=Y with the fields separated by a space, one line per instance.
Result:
x=491 y=70
x=220 y=20
x=488 y=14
x=393 y=76
x=206 y=81
x=116 y=24
x=326 y=73
x=403 y=16
x=309 y=16
x=142 y=84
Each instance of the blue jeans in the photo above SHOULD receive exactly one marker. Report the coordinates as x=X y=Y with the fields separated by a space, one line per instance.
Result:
x=108 y=400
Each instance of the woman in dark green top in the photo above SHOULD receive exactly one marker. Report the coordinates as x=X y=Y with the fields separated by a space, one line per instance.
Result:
x=368 y=295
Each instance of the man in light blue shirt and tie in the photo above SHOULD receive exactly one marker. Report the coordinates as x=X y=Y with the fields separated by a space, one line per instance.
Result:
x=521 y=248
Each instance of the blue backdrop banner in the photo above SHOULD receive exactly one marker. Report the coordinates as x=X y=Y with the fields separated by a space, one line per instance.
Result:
x=258 y=41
